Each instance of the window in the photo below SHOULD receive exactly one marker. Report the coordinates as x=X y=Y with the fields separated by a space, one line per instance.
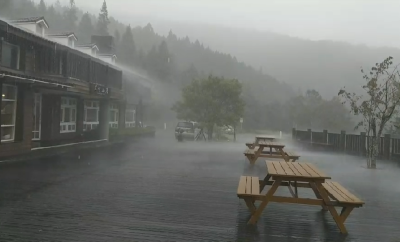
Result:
x=37 y=116
x=8 y=111
x=114 y=114
x=91 y=118
x=130 y=118
x=68 y=115
x=9 y=55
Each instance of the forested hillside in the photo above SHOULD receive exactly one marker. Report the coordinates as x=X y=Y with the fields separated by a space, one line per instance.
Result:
x=323 y=65
x=175 y=61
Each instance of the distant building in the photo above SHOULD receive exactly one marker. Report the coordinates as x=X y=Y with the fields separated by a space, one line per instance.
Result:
x=55 y=91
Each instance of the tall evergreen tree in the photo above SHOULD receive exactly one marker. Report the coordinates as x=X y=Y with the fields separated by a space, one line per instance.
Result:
x=128 y=47
x=70 y=16
x=85 y=28
x=42 y=9
x=117 y=37
x=103 y=21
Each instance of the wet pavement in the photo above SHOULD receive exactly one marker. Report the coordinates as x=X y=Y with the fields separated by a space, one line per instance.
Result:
x=159 y=190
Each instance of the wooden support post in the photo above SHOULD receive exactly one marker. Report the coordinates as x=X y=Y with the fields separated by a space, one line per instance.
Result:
x=342 y=141
x=294 y=134
x=386 y=146
x=325 y=132
x=363 y=147
x=309 y=135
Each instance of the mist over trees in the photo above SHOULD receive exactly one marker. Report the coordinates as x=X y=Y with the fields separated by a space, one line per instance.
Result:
x=176 y=61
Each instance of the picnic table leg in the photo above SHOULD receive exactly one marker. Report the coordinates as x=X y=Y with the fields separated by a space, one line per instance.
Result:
x=263 y=182
x=338 y=219
x=265 y=202
x=283 y=154
x=315 y=190
x=250 y=204
x=345 y=213
x=256 y=155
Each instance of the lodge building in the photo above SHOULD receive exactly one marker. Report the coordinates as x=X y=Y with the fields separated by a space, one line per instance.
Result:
x=55 y=91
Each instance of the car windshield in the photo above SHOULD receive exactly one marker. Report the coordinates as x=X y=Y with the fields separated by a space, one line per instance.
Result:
x=185 y=125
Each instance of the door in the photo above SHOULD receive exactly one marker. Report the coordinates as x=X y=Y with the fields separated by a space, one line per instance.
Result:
x=37 y=116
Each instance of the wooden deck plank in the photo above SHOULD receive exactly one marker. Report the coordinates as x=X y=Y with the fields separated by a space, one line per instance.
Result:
x=242 y=185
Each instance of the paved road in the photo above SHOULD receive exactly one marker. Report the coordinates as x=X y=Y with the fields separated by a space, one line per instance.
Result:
x=158 y=190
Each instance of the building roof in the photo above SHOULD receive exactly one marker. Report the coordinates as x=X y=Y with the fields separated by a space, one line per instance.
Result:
x=30 y=20
x=105 y=43
x=65 y=34
x=107 y=55
x=91 y=45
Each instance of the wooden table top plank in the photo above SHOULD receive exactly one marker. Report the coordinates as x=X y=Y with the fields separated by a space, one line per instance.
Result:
x=308 y=170
x=242 y=185
x=287 y=169
x=294 y=169
x=271 y=168
x=345 y=192
x=271 y=144
x=279 y=169
x=255 y=186
x=316 y=170
x=265 y=137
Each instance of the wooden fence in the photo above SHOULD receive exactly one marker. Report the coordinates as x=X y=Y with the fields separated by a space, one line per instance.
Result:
x=389 y=148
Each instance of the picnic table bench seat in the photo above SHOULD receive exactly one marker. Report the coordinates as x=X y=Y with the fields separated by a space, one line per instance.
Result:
x=341 y=194
x=249 y=191
x=250 y=153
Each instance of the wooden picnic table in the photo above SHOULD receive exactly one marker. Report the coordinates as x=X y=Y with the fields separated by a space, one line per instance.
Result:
x=294 y=175
x=253 y=154
x=259 y=138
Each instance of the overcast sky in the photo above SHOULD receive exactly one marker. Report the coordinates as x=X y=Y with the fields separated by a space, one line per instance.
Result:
x=371 y=22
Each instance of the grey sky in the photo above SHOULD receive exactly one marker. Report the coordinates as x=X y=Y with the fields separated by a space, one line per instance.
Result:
x=371 y=22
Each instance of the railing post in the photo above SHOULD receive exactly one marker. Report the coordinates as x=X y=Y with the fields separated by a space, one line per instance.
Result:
x=309 y=135
x=294 y=135
x=325 y=132
x=342 y=141
x=386 y=146
x=362 y=149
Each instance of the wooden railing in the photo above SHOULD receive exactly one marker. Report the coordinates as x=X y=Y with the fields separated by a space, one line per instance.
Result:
x=389 y=147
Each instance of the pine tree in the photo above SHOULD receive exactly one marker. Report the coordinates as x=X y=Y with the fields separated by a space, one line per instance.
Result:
x=103 y=21
x=128 y=47
x=117 y=37
x=85 y=28
x=42 y=8
x=70 y=17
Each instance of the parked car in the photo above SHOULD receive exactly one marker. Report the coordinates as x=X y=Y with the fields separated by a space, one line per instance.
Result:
x=188 y=129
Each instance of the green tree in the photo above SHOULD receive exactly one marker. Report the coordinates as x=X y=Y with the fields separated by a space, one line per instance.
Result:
x=103 y=21
x=85 y=28
x=212 y=101
x=378 y=106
